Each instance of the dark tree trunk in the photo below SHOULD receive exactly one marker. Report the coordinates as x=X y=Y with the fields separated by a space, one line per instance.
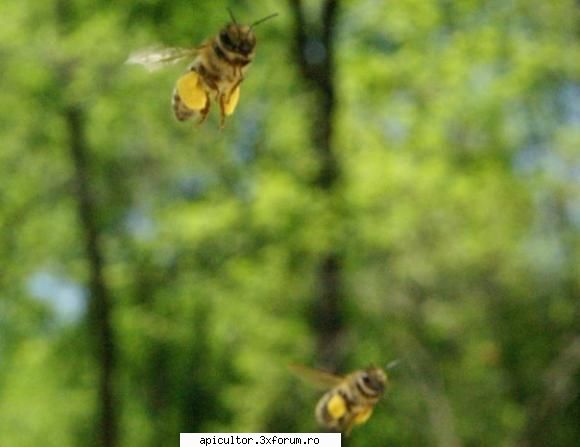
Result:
x=100 y=300
x=314 y=49
x=559 y=392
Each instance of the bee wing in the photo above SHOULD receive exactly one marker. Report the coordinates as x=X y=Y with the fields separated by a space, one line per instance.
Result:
x=316 y=377
x=155 y=58
x=393 y=364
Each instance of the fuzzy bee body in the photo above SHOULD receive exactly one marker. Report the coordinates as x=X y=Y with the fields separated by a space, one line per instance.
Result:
x=350 y=400
x=216 y=73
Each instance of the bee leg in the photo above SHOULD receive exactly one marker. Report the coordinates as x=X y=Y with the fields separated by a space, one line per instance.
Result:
x=233 y=89
x=222 y=101
x=228 y=101
x=348 y=429
x=205 y=111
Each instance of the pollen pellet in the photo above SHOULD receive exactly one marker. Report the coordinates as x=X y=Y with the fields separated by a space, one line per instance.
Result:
x=363 y=416
x=232 y=102
x=336 y=406
x=191 y=91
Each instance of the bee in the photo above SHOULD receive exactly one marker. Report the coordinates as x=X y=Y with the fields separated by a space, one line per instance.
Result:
x=349 y=400
x=218 y=68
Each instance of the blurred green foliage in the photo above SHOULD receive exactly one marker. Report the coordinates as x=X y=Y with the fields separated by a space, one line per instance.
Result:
x=457 y=214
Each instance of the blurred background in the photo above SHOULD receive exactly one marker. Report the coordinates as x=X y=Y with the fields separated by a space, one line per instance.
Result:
x=401 y=180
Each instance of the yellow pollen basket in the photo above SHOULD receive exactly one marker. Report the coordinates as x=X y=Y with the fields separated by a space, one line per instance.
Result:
x=232 y=102
x=336 y=406
x=191 y=91
x=363 y=416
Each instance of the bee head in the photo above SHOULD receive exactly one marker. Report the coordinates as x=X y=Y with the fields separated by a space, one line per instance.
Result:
x=238 y=39
x=372 y=381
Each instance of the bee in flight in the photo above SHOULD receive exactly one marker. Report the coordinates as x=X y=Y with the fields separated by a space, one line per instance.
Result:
x=349 y=400
x=217 y=70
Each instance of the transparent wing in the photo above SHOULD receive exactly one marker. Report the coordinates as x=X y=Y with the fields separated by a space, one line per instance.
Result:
x=316 y=377
x=155 y=58
x=393 y=364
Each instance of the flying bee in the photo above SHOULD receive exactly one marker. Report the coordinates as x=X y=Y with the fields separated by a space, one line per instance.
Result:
x=218 y=68
x=349 y=400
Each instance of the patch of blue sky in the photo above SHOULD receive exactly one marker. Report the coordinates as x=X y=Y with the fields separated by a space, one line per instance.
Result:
x=66 y=298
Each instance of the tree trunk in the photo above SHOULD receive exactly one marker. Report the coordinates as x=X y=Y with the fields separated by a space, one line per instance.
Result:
x=100 y=300
x=314 y=49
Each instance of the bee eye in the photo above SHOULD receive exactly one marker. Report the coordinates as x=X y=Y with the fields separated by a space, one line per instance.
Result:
x=225 y=38
x=366 y=378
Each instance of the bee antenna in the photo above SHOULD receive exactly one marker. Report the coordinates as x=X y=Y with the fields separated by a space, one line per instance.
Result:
x=257 y=22
x=232 y=16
